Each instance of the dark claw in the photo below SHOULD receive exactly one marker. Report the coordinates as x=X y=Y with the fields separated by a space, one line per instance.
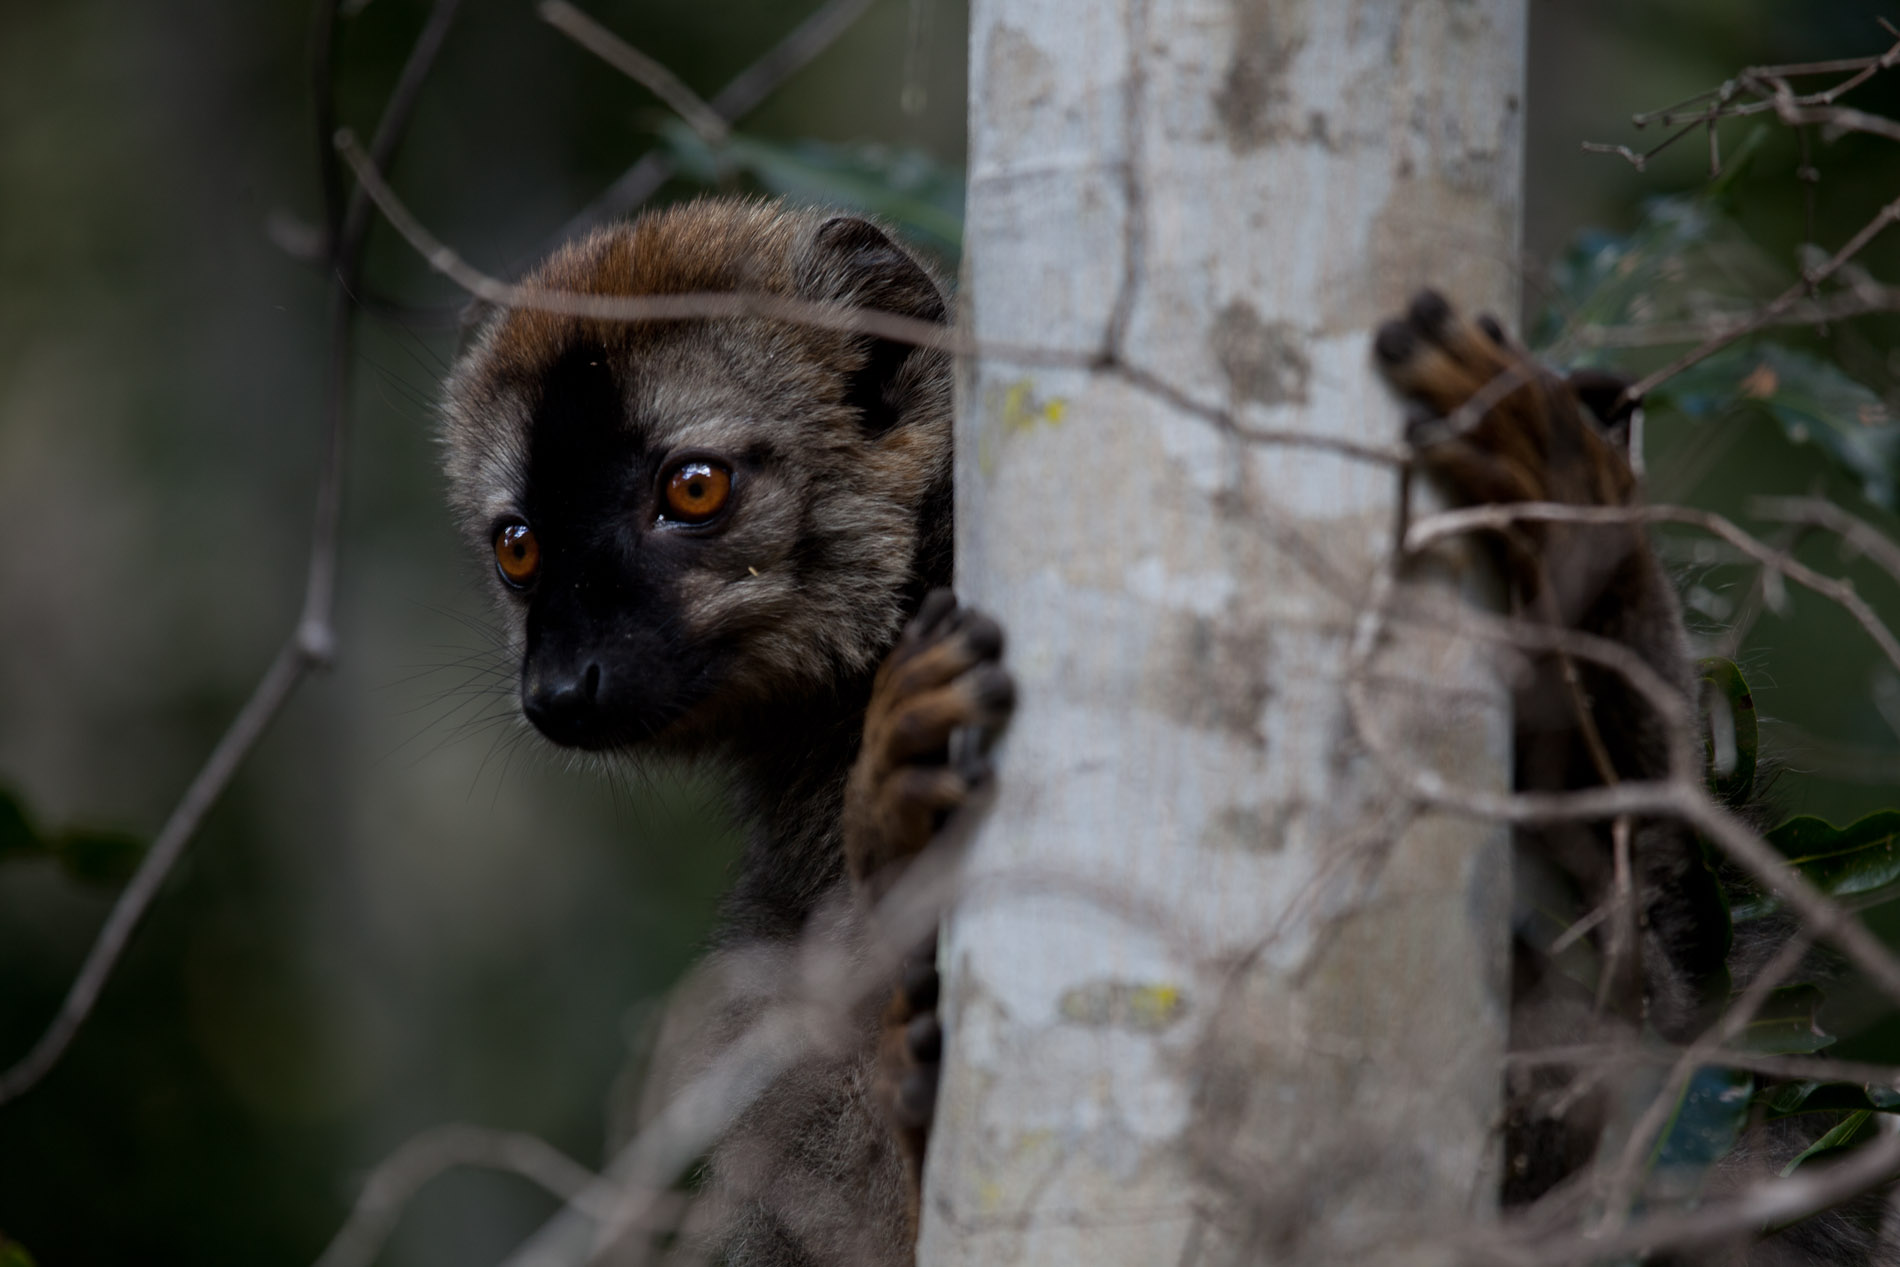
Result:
x=974 y=768
x=995 y=690
x=1394 y=343
x=1429 y=312
x=1492 y=327
x=917 y=1095
x=984 y=635
x=1423 y=428
x=921 y=983
x=931 y=612
x=924 y=1038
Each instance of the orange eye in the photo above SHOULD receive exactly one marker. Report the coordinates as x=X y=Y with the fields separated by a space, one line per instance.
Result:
x=696 y=491
x=517 y=553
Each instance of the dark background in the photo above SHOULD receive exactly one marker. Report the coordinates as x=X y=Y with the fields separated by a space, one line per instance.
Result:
x=402 y=914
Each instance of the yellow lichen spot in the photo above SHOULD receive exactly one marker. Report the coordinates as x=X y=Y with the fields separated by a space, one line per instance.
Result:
x=1151 y=1007
x=1021 y=410
x=1146 y=1009
x=1035 y=1143
x=1017 y=409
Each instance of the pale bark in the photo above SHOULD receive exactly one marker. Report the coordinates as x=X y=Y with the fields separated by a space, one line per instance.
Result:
x=1215 y=991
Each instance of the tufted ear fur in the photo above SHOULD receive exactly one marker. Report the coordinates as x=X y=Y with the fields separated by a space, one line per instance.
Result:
x=854 y=262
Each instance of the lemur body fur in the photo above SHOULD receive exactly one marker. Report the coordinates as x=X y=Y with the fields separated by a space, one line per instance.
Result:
x=726 y=539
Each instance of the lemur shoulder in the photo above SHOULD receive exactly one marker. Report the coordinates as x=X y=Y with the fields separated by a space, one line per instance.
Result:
x=730 y=540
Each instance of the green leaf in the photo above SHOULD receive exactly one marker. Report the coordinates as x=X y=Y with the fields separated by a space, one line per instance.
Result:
x=1813 y=400
x=1785 y=1099
x=905 y=187
x=103 y=858
x=1733 y=734
x=92 y=857
x=1859 y=860
x=1708 y=1119
x=1787 y=1024
x=1850 y=1129
x=1686 y=262
x=1685 y=259
x=13 y=1254
x=17 y=835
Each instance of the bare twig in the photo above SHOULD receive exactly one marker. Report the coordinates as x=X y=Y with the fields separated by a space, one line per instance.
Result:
x=1792 y=1068
x=1756 y=90
x=398 y=1178
x=312 y=640
x=1862 y=298
x=733 y=102
x=825 y=316
x=292 y=662
x=1781 y=303
x=1627 y=1174
x=1757 y=1209
x=1855 y=532
x=823 y=986
x=1679 y=796
x=1474 y=518
x=637 y=66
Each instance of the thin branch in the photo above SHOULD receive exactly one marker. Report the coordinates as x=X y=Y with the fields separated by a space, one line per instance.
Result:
x=738 y=98
x=1863 y=298
x=1787 y=1068
x=1857 y=533
x=637 y=66
x=1758 y=1208
x=825 y=316
x=1679 y=796
x=1787 y=299
x=1499 y=515
x=823 y=988
x=292 y=662
x=315 y=626
x=312 y=640
x=398 y=1178
x=1627 y=1175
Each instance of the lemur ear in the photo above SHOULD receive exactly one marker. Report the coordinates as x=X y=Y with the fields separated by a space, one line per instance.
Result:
x=854 y=262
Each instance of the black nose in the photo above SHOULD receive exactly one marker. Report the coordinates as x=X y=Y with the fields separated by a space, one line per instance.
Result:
x=563 y=704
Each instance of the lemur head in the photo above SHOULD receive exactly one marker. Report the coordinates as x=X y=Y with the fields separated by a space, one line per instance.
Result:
x=690 y=519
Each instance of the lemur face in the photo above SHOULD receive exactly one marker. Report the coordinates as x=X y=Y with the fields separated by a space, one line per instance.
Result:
x=689 y=518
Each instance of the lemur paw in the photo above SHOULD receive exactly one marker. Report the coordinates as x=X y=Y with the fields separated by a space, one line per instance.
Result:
x=910 y=1060
x=1491 y=424
x=943 y=675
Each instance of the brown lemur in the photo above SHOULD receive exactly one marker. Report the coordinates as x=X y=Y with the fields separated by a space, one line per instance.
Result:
x=707 y=537
x=727 y=539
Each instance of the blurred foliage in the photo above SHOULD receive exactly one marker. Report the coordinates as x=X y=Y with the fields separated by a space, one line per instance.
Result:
x=1857 y=861
x=1688 y=264
x=1708 y=1120
x=403 y=915
x=906 y=188
x=91 y=857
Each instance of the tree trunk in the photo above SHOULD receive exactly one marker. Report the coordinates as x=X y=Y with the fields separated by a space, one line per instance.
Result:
x=1216 y=992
